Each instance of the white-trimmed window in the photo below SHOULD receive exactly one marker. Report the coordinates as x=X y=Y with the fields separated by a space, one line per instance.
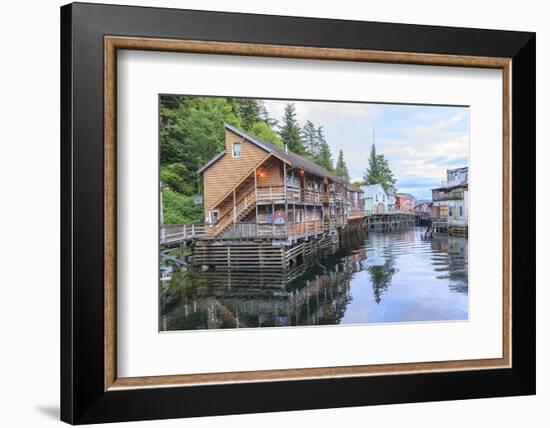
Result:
x=213 y=216
x=236 y=149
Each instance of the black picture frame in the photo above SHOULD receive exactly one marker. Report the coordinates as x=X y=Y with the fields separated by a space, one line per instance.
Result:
x=83 y=399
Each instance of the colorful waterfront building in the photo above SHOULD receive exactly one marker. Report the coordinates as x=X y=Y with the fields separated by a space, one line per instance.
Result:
x=376 y=199
x=404 y=201
x=451 y=201
x=392 y=200
x=255 y=189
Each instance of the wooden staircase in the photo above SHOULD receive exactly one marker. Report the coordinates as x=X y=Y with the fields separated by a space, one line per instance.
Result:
x=242 y=209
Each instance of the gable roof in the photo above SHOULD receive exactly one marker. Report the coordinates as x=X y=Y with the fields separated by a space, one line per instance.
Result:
x=372 y=189
x=211 y=161
x=290 y=157
x=405 y=195
x=422 y=202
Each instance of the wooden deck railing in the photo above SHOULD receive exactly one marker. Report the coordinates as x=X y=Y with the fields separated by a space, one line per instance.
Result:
x=305 y=228
x=272 y=193
x=328 y=198
x=246 y=230
x=311 y=196
x=353 y=214
x=176 y=233
x=293 y=194
x=173 y=234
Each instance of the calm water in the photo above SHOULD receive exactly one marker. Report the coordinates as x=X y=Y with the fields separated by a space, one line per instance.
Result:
x=374 y=278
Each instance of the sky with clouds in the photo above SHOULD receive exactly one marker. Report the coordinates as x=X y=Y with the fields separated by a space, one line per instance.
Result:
x=420 y=142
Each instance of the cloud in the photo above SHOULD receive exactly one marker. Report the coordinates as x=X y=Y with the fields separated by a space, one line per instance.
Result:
x=420 y=142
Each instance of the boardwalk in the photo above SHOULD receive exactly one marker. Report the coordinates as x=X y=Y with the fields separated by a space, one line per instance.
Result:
x=172 y=235
x=391 y=220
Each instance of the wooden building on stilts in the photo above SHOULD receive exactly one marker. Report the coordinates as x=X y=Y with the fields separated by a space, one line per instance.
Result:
x=266 y=207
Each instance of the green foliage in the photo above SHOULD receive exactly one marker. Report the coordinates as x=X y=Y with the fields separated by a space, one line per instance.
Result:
x=174 y=176
x=325 y=156
x=381 y=276
x=357 y=183
x=379 y=171
x=341 y=169
x=273 y=123
x=290 y=132
x=249 y=111
x=180 y=209
x=263 y=131
x=192 y=133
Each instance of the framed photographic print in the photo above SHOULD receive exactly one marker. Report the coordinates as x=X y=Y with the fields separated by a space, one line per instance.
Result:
x=273 y=213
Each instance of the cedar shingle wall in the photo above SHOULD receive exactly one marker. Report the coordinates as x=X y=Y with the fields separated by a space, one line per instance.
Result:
x=273 y=175
x=224 y=174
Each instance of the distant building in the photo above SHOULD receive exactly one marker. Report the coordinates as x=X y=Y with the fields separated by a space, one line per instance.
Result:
x=457 y=176
x=405 y=201
x=423 y=207
x=354 y=201
x=451 y=200
x=376 y=199
x=392 y=200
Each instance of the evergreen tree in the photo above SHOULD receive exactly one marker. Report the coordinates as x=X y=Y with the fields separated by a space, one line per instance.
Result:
x=311 y=141
x=273 y=123
x=290 y=131
x=387 y=179
x=325 y=156
x=249 y=110
x=371 y=175
x=341 y=169
x=379 y=171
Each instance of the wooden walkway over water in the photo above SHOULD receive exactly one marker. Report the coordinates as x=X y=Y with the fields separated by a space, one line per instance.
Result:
x=391 y=220
x=173 y=235
x=250 y=246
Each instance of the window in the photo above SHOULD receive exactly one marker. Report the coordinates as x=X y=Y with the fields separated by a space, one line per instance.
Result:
x=460 y=210
x=236 y=150
x=213 y=216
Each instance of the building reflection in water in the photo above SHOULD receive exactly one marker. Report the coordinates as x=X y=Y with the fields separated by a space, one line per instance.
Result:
x=311 y=294
x=450 y=260
x=394 y=266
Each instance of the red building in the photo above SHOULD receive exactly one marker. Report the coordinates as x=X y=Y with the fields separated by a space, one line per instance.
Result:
x=404 y=201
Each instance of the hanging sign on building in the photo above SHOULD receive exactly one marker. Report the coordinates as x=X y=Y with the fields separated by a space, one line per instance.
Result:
x=279 y=217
